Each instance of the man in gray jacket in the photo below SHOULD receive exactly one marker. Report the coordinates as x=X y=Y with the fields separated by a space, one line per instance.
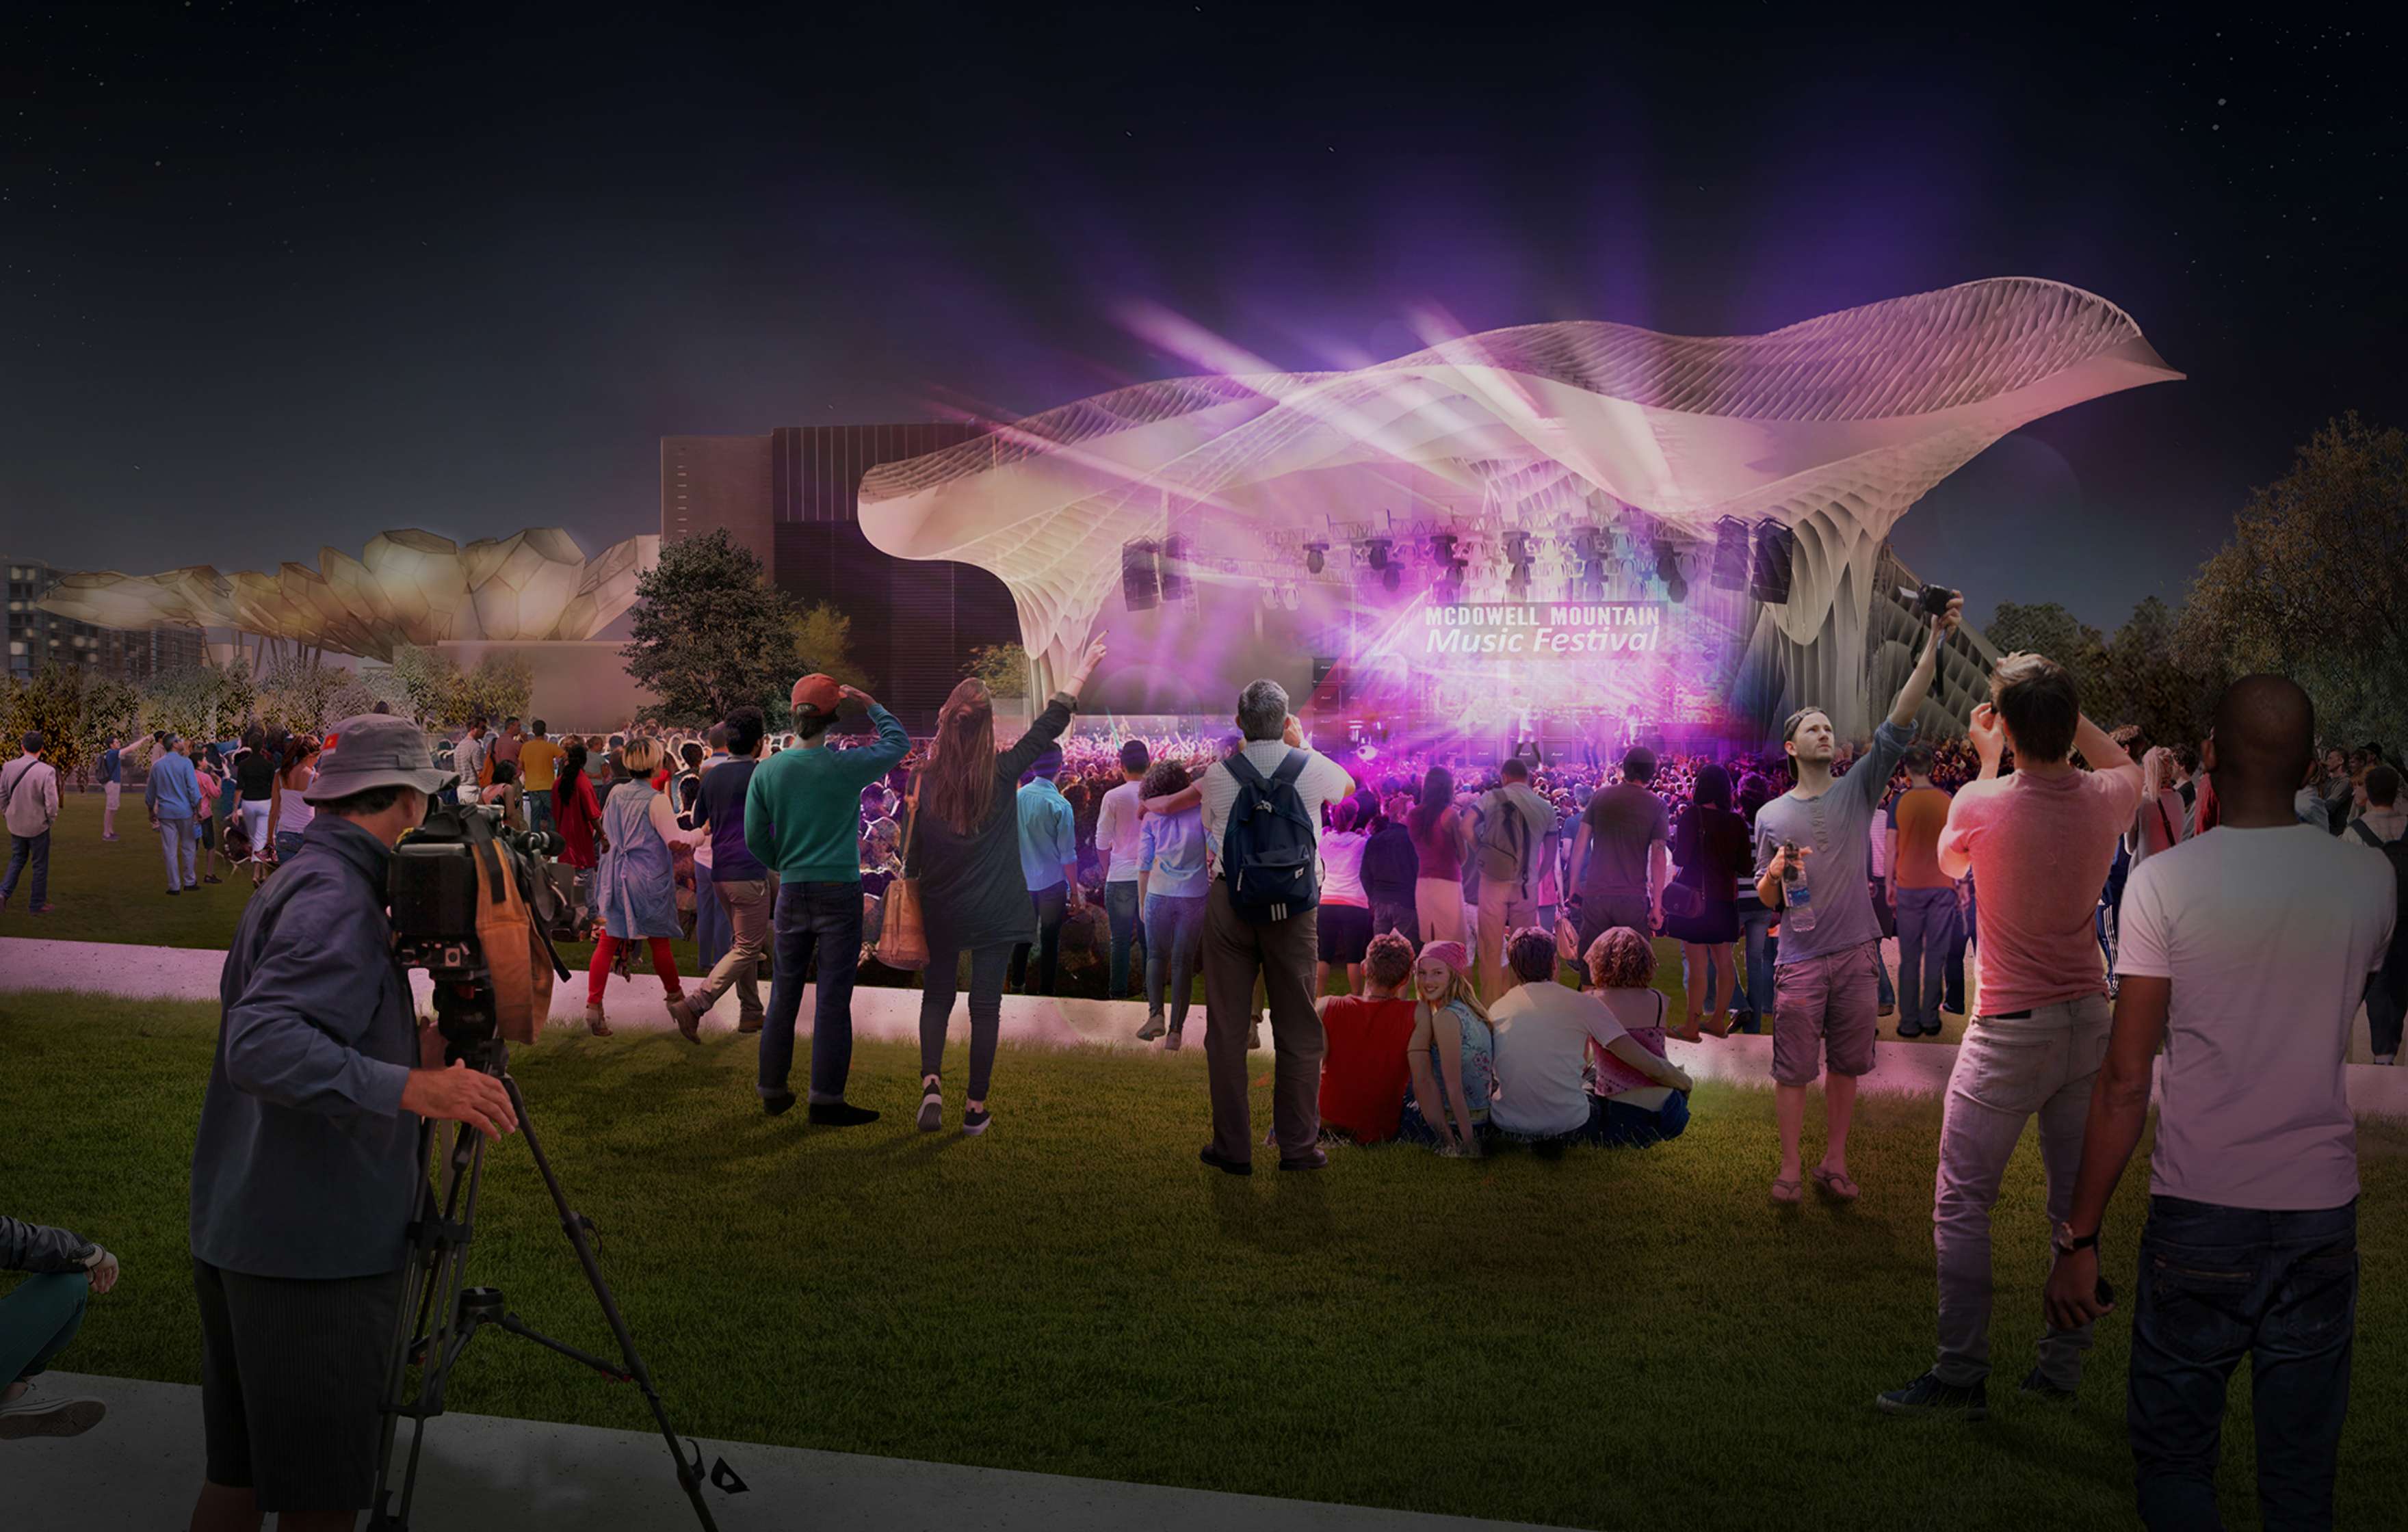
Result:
x=37 y=1317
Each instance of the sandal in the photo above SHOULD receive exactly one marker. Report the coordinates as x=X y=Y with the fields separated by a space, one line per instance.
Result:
x=1788 y=1193
x=1838 y=1187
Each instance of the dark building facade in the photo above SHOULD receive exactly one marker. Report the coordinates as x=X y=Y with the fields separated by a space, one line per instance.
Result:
x=797 y=493
x=36 y=637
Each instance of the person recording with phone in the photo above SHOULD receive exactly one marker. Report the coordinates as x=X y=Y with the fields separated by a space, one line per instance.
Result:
x=308 y=1167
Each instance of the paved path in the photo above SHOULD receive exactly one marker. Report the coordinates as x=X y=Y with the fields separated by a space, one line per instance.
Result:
x=634 y=1003
x=140 y=1467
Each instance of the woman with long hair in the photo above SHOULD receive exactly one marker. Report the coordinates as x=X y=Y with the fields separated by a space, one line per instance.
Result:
x=1171 y=882
x=1439 y=837
x=962 y=843
x=288 y=812
x=635 y=885
x=577 y=819
x=1711 y=848
x=1452 y=1056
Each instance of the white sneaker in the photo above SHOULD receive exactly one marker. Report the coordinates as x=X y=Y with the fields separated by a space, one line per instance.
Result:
x=32 y=1414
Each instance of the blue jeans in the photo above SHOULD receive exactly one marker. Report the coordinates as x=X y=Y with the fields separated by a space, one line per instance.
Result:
x=1053 y=907
x=1617 y=1124
x=1128 y=931
x=2218 y=1284
x=34 y=848
x=539 y=807
x=1176 y=922
x=1755 y=935
x=37 y=1317
x=1927 y=922
x=1952 y=996
x=824 y=918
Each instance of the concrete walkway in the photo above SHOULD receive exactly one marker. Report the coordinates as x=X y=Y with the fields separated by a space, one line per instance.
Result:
x=140 y=1467
x=636 y=1004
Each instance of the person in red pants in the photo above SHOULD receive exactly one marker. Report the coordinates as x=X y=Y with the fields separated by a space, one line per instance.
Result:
x=635 y=886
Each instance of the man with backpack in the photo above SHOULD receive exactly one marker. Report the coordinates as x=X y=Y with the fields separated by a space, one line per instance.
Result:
x=29 y=800
x=1262 y=825
x=1511 y=841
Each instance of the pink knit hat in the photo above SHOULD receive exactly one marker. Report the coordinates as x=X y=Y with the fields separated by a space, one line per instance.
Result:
x=1452 y=954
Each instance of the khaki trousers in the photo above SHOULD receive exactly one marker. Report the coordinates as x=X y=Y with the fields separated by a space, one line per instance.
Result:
x=1502 y=912
x=748 y=907
x=1282 y=951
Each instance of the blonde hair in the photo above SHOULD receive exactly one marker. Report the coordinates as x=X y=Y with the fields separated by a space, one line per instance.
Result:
x=1459 y=987
x=641 y=756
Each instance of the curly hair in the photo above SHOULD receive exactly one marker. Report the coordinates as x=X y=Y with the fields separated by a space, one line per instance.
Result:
x=1621 y=959
x=1162 y=779
x=1532 y=953
x=1389 y=960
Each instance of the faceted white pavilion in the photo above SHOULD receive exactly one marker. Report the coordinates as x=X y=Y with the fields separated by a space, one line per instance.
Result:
x=1832 y=427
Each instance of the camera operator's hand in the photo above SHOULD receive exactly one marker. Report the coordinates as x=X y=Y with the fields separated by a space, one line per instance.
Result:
x=461 y=1095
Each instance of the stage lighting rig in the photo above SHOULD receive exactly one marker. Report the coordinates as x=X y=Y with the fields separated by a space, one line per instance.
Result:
x=1668 y=570
x=1442 y=548
x=1375 y=551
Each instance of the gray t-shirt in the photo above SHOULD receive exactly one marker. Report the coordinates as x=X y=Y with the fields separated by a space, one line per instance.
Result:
x=1838 y=826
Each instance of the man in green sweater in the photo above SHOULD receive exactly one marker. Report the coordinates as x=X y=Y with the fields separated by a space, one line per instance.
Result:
x=802 y=820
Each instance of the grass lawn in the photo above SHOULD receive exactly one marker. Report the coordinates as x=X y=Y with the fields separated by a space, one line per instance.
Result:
x=1604 y=1341
x=116 y=892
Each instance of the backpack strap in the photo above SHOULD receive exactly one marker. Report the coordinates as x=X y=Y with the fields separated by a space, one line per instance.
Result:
x=1289 y=770
x=1246 y=773
x=2366 y=835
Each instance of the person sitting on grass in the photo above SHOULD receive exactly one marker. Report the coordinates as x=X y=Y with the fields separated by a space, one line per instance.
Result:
x=1366 y=1072
x=37 y=1317
x=1622 y=974
x=1451 y=1056
x=1545 y=1034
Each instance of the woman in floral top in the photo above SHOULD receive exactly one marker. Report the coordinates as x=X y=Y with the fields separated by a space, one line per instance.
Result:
x=1453 y=1056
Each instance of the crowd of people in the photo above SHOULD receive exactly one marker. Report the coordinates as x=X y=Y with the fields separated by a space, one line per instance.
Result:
x=1456 y=959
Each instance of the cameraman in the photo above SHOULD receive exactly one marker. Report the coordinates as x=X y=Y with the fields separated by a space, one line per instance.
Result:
x=307 y=1168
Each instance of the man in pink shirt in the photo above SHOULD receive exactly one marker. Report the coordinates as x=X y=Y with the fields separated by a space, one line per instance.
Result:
x=2039 y=843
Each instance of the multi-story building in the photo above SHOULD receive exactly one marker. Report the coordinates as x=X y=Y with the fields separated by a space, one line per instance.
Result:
x=36 y=637
x=793 y=497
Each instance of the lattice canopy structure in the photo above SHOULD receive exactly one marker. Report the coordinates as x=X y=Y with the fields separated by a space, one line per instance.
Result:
x=405 y=587
x=1832 y=427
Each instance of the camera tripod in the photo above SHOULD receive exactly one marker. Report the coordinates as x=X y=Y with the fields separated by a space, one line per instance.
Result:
x=440 y=1315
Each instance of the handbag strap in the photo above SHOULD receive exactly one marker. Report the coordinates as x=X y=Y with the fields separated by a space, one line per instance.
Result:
x=910 y=823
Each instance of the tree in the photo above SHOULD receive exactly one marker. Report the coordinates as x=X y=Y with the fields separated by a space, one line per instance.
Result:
x=52 y=702
x=711 y=634
x=1004 y=668
x=302 y=698
x=2047 y=628
x=500 y=687
x=111 y=708
x=2313 y=582
x=236 y=697
x=823 y=645
x=429 y=683
x=197 y=700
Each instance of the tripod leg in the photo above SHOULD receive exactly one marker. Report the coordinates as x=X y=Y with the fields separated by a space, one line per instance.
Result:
x=437 y=1273
x=690 y=1475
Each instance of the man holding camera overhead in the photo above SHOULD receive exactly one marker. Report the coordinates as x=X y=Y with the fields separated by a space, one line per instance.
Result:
x=306 y=1169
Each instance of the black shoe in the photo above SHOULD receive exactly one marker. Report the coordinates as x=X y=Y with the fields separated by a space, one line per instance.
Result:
x=2042 y=1389
x=1929 y=1395
x=1311 y=1159
x=839 y=1114
x=1234 y=1168
x=173 y=892
x=778 y=1105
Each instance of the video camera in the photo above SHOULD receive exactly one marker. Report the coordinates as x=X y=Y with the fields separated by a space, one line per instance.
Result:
x=450 y=891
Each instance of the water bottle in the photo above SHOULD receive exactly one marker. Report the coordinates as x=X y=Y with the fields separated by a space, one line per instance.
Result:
x=1797 y=896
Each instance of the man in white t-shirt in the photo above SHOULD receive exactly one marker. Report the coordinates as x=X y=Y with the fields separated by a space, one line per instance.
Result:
x=1117 y=823
x=2245 y=952
x=1282 y=951
x=1542 y=1033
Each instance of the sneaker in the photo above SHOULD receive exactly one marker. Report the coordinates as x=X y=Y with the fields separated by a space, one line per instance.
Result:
x=1889 y=1007
x=689 y=1021
x=173 y=892
x=1929 y=1395
x=2042 y=1389
x=747 y=1025
x=932 y=1110
x=839 y=1114
x=977 y=1120
x=1154 y=1028
x=41 y=910
x=1170 y=1043
x=34 y=1413
x=595 y=1024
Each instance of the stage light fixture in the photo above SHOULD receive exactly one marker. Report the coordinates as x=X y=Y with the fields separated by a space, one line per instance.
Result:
x=1442 y=548
x=1517 y=548
x=1391 y=579
x=1375 y=552
x=1668 y=563
x=1316 y=557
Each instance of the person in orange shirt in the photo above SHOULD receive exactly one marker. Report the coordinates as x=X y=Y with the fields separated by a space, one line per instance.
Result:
x=1923 y=898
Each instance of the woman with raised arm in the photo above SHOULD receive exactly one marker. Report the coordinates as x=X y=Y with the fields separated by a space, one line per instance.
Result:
x=961 y=839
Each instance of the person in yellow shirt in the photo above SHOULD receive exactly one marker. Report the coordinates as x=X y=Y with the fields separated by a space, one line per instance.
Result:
x=538 y=760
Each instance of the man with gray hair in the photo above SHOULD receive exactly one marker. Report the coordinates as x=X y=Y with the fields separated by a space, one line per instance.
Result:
x=1263 y=798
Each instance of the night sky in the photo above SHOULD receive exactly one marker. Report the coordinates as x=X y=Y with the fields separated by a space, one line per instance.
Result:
x=276 y=275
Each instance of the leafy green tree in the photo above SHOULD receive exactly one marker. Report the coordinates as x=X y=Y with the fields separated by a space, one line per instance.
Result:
x=711 y=634
x=52 y=702
x=429 y=684
x=110 y=707
x=237 y=695
x=190 y=700
x=823 y=645
x=1004 y=668
x=302 y=697
x=500 y=687
x=2047 y=628
x=2313 y=582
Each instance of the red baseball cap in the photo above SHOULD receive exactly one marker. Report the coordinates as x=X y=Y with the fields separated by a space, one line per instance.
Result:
x=820 y=693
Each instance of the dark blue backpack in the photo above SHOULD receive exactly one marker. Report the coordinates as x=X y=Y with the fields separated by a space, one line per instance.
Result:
x=1271 y=845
